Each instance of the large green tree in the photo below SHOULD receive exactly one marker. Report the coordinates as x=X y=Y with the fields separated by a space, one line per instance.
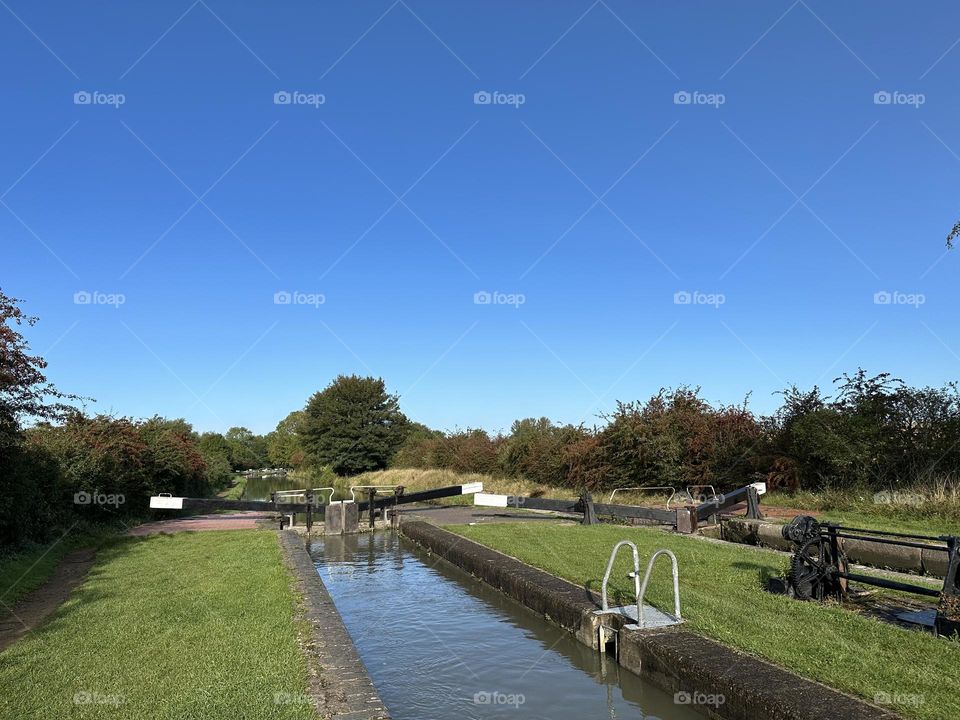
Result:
x=354 y=425
x=246 y=449
x=284 y=445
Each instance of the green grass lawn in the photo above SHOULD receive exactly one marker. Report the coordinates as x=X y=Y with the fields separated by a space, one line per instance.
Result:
x=197 y=625
x=932 y=516
x=721 y=595
x=29 y=568
x=933 y=526
x=235 y=491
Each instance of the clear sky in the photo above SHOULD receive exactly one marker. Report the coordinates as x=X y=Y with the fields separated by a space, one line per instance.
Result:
x=778 y=164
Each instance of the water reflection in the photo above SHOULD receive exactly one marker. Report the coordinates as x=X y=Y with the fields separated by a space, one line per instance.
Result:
x=441 y=644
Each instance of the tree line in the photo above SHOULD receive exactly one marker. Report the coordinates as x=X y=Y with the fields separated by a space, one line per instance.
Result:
x=869 y=431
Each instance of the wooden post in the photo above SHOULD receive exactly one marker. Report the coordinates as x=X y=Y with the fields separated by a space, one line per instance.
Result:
x=589 y=514
x=309 y=512
x=371 y=510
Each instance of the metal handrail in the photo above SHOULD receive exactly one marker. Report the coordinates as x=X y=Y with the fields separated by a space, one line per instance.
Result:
x=646 y=579
x=673 y=491
x=370 y=487
x=636 y=574
x=305 y=491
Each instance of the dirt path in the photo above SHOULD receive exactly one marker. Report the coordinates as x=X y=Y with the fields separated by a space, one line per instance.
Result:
x=37 y=606
x=231 y=521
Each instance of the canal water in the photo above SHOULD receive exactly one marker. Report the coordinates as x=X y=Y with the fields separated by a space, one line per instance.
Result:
x=441 y=645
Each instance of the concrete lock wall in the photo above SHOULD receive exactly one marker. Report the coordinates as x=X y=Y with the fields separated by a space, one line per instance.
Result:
x=674 y=659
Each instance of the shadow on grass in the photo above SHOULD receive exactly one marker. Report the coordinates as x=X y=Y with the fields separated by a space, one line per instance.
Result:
x=88 y=593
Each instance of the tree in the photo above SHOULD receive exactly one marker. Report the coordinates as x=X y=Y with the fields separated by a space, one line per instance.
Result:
x=246 y=449
x=25 y=391
x=954 y=234
x=284 y=446
x=353 y=425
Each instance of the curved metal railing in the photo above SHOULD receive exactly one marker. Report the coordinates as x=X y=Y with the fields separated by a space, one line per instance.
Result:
x=646 y=579
x=636 y=574
x=673 y=491
x=370 y=487
x=297 y=493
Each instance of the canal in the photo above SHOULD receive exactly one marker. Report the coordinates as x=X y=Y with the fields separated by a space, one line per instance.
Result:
x=441 y=645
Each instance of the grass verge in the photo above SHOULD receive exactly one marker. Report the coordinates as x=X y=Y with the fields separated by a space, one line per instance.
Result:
x=195 y=625
x=28 y=568
x=920 y=512
x=928 y=513
x=235 y=491
x=720 y=590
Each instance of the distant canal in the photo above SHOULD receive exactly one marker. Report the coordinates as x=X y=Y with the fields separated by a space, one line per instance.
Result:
x=440 y=644
x=259 y=487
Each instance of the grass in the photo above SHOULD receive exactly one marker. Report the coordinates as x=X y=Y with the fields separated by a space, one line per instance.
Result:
x=720 y=590
x=415 y=480
x=924 y=510
x=28 y=568
x=196 y=625
x=235 y=491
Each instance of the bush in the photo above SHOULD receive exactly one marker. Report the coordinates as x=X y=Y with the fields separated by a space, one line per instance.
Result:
x=535 y=450
x=677 y=438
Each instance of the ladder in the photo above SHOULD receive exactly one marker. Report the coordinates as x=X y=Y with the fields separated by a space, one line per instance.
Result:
x=644 y=616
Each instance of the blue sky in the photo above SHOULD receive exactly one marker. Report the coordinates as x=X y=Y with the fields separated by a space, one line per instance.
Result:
x=590 y=166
